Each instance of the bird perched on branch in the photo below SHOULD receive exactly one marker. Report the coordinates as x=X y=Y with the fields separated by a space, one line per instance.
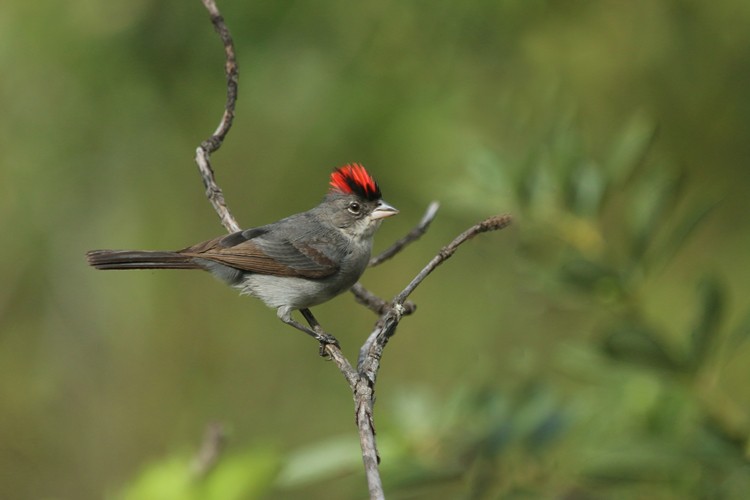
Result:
x=298 y=262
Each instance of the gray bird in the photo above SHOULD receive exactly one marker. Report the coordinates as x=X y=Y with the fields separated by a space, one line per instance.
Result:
x=296 y=263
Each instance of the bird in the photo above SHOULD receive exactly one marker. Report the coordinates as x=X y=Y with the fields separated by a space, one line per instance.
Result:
x=298 y=262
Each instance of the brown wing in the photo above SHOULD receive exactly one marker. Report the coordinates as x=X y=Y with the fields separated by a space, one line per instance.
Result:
x=253 y=251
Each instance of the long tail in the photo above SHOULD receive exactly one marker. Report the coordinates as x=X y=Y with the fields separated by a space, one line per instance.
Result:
x=137 y=259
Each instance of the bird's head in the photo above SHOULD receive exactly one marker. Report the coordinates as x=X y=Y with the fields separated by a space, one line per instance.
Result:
x=354 y=203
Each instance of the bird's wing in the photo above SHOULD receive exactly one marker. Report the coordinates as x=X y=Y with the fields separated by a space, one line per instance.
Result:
x=258 y=251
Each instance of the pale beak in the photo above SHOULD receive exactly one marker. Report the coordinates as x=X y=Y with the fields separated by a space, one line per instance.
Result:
x=383 y=210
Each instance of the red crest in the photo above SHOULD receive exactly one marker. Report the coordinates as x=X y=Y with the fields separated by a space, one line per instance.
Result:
x=353 y=178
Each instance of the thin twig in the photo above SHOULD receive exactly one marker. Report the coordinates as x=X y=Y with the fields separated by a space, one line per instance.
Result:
x=490 y=224
x=210 y=145
x=374 y=303
x=411 y=237
x=368 y=299
x=368 y=362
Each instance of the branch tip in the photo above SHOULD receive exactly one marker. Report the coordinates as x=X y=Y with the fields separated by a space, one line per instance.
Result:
x=495 y=222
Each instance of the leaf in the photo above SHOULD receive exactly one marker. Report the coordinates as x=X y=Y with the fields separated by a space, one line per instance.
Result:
x=630 y=149
x=634 y=342
x=591 y=277
x=585 y=189
x=235 y=477
x=168 y=479
x=241 y=476
x=636 y=461
x=655 y=199
x=321 y=461
x=711 y=308
x=679 y=236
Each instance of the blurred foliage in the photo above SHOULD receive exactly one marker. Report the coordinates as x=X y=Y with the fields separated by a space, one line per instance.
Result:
x=596 y=349
x=240 y=476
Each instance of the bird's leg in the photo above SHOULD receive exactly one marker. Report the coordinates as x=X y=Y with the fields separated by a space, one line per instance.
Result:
x=314 y=331
x=323 y=337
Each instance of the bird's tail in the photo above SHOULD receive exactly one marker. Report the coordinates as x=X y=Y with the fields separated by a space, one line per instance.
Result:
x=138 y=259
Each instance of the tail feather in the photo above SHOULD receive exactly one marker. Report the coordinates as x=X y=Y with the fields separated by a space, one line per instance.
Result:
x=136 y=259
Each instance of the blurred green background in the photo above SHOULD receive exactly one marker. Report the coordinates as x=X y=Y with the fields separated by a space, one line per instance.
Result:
x=595 y=349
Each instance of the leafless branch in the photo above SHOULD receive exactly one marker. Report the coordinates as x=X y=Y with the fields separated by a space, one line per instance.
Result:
x=369 y=299
x=490 y=224
x=368 y=363
x=213 y=143
x=411 y=237
x=362 y=379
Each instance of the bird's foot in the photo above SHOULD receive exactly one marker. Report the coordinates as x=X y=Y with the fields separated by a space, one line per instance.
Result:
x=325 y=340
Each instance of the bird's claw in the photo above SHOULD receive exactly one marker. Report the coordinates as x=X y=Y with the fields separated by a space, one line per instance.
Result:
x=327 y=339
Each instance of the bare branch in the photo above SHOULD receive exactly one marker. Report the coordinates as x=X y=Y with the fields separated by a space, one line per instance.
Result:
x=334 y=353
x=491 y=224
x=371 y=352
x=210 y=145
x=362 y=379
x=411 y=237
x=368 y=299
x=374 y=303
x=365 y=399
x=368 y=362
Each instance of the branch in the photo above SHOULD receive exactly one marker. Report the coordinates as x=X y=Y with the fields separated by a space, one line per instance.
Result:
x=411 y=237
x=368 y=363
x=368 y=299
x=490 y=224
x=213 y=143
x=362 y=379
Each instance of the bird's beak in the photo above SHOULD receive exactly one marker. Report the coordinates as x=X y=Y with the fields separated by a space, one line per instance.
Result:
x=383 y=210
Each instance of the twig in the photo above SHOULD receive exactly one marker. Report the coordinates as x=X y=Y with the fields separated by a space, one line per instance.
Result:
x=411 y=237
x=374 y=303
x=368 y=362
x=369 y=299
x=210 y=145
x=490 y=224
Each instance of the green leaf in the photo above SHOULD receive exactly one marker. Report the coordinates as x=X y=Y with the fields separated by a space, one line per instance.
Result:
x=633 y=342
x=683 y=230
x=169 y=479
x=654 y=201
x=711 y=308
x=321 y=461
x=585 y=189
x=637 y=461
x=590 y=277
x=631 y=148
x=241 y=476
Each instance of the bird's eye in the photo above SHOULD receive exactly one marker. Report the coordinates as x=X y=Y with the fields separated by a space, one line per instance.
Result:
x=354 y=208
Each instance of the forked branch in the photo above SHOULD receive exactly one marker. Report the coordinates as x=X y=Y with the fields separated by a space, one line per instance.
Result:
x=361 y=379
